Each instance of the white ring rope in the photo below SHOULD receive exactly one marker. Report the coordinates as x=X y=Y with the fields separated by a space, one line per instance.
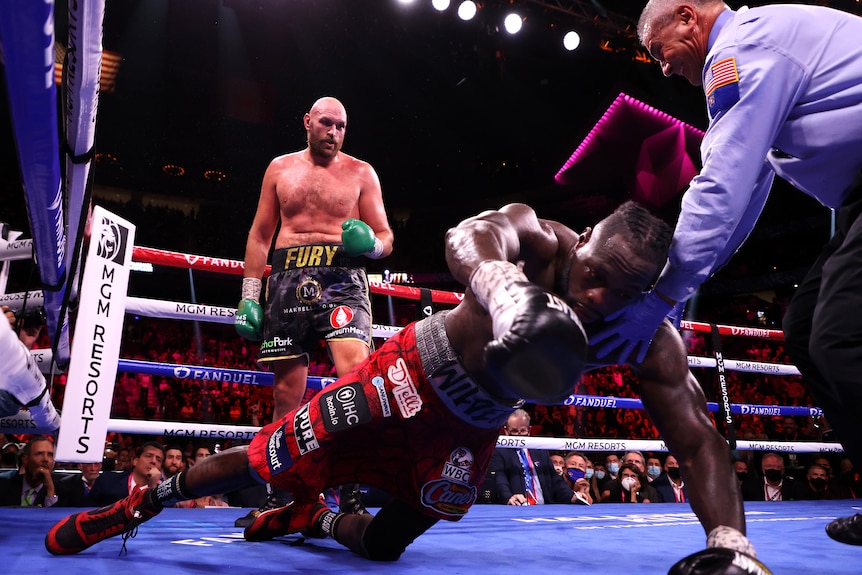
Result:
x=21 y=423
x=16 y=250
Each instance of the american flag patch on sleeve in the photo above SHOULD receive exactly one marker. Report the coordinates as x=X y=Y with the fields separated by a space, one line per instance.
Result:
x=722 y=89
x=723 y=73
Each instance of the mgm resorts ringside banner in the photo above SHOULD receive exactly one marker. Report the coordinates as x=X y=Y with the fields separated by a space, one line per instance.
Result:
x=96 y=346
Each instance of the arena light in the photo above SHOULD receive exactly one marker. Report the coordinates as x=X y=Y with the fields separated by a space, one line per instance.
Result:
x=513 y=23
x=440 y=5
x=467 y=10
x=173 y=170
x=406 y=1
x=215 y=175
x=571 y=40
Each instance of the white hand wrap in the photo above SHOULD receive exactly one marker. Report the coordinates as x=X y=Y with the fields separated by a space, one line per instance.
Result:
x=44 y=414
x=377 y=252
x=251 y=289
x=489 y=282
x=730 y=538
x=22 y=378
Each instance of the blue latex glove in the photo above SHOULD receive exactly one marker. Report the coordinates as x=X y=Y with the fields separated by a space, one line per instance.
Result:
x=676 y=314
x=632 y=330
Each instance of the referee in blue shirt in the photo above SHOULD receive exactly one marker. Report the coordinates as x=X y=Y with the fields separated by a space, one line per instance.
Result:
x=783 y=87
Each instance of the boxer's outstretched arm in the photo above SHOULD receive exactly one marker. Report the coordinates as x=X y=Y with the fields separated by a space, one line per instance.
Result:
x=512 y=233
x=676 y=404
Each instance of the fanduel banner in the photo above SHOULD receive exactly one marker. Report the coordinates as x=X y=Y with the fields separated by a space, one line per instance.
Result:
x=96 y=347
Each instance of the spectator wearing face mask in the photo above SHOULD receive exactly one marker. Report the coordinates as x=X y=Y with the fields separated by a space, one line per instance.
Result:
x=612 y=469
x=740 y=467
x=818 y=486
x=526 y=476
x=592 y=475
x=559 y=463
x=774 y=486
x=630 y=487
x=599 y=472
x=669 y=485
x=653 y=468
x=576 y=477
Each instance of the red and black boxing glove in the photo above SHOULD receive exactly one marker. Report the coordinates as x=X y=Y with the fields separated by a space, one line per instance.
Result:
x=539 y=344
x=719 y=561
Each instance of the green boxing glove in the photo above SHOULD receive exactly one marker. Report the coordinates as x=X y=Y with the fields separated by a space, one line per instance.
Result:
x=358 y=239
x=248 y=320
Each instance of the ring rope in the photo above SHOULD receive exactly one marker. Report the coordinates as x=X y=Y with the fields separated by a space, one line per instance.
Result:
x=236 y=267
x=733 y=330
x=22 y=423
x=252 y=377
x=179 y=310
x=16 y=250
x=22 y=249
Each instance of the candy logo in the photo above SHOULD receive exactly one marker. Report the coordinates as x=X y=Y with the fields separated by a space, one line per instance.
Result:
x=340 y=316
x=447 y=498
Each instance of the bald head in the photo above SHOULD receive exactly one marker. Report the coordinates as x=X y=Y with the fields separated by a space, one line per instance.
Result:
x=325 y=125
x=658 y=13
x=328 y=105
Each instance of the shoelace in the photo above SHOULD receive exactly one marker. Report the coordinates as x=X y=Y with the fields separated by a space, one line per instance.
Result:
x=353 y=502
x=271 y=502
x=131 y=530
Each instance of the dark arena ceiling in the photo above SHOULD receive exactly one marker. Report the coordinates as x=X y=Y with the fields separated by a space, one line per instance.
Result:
x=455 y=116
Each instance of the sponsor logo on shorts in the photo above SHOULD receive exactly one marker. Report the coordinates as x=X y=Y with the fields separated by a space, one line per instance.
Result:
x=459 y=466
x=340 y=316
x=277 y=452
x=306 y=440
x=406 y=397
x=344 y=407
x=380 y=386
x=276 y=344
x=448 y=498
x=466 y=399
x=309 y=291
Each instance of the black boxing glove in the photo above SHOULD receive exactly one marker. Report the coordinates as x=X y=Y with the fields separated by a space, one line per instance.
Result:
x=539 y=345
x=719 y=561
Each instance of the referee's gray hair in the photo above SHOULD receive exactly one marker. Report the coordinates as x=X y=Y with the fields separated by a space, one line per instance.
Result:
x=657 y=13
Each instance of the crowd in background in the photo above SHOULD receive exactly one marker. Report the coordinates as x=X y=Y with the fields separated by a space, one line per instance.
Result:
x=151 y=397
x=156 y=398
